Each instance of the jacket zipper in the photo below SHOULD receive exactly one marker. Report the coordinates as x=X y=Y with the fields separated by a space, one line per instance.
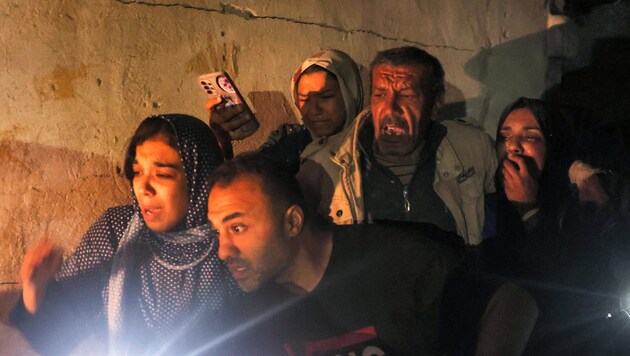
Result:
x=406 y=200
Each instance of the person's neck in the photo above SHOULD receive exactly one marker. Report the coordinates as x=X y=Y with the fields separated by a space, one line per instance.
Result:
x=310 y=263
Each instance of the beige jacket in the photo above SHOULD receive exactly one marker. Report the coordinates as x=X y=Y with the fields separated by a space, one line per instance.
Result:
x=466 y=163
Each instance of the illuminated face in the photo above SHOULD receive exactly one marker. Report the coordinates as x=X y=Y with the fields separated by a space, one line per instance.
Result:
x=520 y=135
x=252 y=241
x=321 y=103
x=399 y=108
x=159 y=183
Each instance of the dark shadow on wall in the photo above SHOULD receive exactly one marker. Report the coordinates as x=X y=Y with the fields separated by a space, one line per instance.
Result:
x=598 y=99
x=507 y=71
x=272 y=109
x=582 y=62
x=455 y=106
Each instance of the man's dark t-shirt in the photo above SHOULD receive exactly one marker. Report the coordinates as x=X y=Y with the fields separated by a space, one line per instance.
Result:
x=380 y=294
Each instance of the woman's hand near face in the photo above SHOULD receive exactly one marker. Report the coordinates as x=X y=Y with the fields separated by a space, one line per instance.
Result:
x=40 y=264
x=228 y=121
x=520 y=179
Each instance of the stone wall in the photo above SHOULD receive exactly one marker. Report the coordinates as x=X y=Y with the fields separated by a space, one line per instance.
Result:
x=78 y=77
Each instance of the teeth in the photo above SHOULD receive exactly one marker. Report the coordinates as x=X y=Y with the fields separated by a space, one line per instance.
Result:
x=240 y=269
x=393 y=130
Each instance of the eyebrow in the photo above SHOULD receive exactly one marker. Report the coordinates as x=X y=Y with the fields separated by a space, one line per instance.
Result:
x=324 y=90
x=166 y=165
x=524 y=128
x=231 y=216
x=162 y=164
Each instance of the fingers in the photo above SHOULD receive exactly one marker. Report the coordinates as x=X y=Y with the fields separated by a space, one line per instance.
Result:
x=239 y=135
x=221 y=115
x=228 y=120
x=519 y=184
x=55 y=260
x=509 y=170
x=41 y=262
x=237 y=121
x=211 y=103
x=519 y=161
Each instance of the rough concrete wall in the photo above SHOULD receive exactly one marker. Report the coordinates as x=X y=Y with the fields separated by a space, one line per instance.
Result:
x=78 y=77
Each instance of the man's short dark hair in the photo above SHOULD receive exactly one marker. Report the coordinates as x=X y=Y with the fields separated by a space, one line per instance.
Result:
x=280 y=186
x=409 y=55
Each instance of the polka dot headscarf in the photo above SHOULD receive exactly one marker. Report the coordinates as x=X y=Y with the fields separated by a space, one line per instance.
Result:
x=157 y=283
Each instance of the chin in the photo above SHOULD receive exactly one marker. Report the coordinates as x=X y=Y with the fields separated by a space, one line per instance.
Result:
x=394 y=148
x=157 y=228
x=247 y=287
x=164 y=227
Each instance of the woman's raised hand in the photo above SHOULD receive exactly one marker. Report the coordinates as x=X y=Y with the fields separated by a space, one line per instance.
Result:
x=520 y=179
x=40 y=264
x=228 y=120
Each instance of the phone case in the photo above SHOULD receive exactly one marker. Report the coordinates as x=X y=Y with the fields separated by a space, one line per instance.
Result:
x=219 y=84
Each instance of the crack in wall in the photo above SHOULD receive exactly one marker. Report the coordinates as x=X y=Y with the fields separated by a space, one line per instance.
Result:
x=247 y=14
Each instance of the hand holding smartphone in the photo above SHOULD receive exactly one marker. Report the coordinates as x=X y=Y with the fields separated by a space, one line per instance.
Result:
x=238 y=123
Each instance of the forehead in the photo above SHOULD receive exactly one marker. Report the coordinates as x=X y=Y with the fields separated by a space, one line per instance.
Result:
x=157 y=148
x=241 y=195
x=520 y=118
x=397 y=73
x=316 y=81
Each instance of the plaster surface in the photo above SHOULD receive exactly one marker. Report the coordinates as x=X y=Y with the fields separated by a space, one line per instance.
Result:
x=78 y=77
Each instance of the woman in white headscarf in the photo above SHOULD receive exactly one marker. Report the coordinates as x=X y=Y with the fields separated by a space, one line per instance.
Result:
x=146 y=277
x=328 y=92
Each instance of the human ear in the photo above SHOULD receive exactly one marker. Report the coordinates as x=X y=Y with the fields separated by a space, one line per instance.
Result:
x=437 y=106
x=294 y=220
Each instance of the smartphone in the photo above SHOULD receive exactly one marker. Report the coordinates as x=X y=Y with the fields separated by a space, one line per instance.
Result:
x=219 y=84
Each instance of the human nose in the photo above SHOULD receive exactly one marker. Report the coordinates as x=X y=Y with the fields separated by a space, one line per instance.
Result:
x=226 y=248
x=391 y=104
x=514 y=145
x=144 y=185
x=312 y=107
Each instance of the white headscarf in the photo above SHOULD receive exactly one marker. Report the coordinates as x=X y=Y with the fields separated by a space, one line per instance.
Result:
x=343 y=67
x=345 y=70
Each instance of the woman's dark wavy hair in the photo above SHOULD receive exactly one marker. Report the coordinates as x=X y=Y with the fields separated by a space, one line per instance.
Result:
x=150 y=127
x=554 y=190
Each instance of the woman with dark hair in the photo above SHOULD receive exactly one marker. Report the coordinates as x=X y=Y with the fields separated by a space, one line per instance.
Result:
x=535 y=149
x=145 y=277
x=538 y=241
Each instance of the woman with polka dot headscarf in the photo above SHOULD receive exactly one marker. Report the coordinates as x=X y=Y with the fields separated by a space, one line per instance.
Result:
x=144 y=277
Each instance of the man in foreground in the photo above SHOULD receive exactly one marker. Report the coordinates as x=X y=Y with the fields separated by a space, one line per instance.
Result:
x=321 y=290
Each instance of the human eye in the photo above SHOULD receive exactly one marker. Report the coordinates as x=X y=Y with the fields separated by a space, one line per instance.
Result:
x=502 y=137
x=135 y=171
x=165 y=175
x=328 y=94
x=533 y=138
x=238 y=228
x=378 y=93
